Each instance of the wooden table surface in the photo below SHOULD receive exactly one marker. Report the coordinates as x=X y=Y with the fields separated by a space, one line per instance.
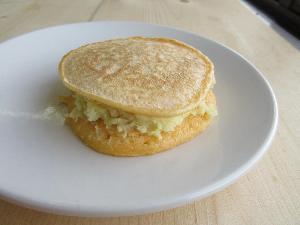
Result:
x=270 y=193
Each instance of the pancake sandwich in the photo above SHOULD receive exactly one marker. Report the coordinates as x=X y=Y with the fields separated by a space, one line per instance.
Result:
x=137 y=96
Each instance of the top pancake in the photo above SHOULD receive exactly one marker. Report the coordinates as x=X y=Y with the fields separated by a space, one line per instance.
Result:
x=149 y=76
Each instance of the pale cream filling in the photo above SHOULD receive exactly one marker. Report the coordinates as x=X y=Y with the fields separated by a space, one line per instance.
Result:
x=126 y=121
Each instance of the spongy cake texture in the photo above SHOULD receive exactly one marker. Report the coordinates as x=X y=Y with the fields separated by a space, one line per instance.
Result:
x=110 y=141
x=149 y=76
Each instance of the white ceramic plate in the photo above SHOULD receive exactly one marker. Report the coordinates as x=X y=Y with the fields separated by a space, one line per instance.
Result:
x=44 y=166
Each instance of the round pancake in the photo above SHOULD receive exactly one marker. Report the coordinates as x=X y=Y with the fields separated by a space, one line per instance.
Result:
x=110 y=141
x=147 y=76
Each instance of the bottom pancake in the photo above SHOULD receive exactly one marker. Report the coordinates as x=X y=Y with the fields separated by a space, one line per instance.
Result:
x=109 y=141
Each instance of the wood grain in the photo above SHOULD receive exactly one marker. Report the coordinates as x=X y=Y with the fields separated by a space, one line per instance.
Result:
x=269 y=193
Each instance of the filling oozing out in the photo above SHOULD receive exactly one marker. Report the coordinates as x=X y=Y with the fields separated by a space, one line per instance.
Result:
x=125 y=122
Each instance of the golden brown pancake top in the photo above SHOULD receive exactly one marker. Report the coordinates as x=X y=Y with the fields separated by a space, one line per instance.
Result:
x=151 y=76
